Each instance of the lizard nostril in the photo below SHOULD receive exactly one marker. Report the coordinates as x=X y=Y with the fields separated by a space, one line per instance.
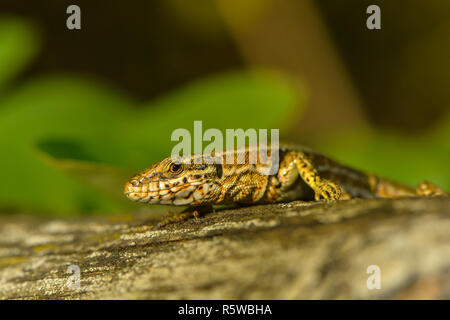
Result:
x=135 y=183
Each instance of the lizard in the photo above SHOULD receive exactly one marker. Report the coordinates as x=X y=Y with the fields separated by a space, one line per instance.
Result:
x=201 y=181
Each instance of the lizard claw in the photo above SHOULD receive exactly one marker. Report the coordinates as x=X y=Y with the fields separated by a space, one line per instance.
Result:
x=329 y=191
x=176 y=217
x=169 y=217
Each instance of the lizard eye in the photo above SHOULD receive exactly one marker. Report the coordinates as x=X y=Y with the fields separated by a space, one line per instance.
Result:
x=175 y=167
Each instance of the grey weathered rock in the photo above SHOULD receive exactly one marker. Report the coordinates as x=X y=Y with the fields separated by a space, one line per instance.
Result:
x=286 y=251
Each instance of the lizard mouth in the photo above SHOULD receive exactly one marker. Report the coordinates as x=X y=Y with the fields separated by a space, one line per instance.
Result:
x=151 y=194
x=182 y=196
x=176 y=192
x=150 y=197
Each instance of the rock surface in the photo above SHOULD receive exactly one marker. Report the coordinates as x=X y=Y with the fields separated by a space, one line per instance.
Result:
x=286 y=251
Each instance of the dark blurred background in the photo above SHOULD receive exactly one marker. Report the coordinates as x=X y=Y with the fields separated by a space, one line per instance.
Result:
x=375 y=99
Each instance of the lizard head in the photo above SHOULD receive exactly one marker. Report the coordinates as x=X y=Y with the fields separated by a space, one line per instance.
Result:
x=176 y=182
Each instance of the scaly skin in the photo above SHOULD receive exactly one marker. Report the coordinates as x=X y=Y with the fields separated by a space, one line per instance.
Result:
x=302 y=175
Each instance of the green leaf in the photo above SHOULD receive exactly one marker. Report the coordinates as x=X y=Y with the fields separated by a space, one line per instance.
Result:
x=18 y=44
x=258 y=99
x=53 y=119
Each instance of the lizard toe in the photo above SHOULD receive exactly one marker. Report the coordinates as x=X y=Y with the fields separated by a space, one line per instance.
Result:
x=328 y=191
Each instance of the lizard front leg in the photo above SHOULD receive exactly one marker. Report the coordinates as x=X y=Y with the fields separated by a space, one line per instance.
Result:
x=296 y=164
x=188 y=213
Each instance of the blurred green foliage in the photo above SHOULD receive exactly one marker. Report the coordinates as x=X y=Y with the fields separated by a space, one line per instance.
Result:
x=18 y=43
x=68 y=142
x=407 y=159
